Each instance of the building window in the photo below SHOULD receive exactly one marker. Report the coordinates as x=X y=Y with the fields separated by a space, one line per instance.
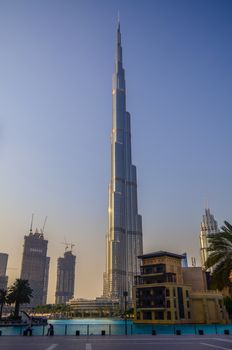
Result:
x=168 y=304
x=167 y=292
x=159 y=315
x=187 y=303
x=169 y=315
x=180 y=302
x=147 y=270
x=160 y=268
x=147 y=315
x=176 y=317
x=174 y=292
x=189 y=315
x=187 y=293
x=138 y=315
x=174 y=303
x=171 y=277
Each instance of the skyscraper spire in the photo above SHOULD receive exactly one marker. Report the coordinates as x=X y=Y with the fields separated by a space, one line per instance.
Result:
x=124 y=236
x=118 y=20
x=118 y=56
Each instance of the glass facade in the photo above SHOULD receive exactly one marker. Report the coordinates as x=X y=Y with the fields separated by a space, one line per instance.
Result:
x=65 y=277
x=124 y=236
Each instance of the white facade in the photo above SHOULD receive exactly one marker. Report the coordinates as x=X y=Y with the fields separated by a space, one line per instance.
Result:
x=208 y=226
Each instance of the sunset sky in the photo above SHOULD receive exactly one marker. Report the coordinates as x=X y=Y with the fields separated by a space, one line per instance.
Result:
x=56 y=65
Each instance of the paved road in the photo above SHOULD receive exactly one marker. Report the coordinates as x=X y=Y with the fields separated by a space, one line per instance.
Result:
x=117 y=343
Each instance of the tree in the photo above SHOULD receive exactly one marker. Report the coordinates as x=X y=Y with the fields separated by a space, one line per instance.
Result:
x=228 y=305
x=220 y=257
x=3 y=300
x=130 y=312
x=19 y=293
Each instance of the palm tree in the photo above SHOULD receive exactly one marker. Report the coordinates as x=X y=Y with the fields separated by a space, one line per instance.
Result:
x=19 y=293
x=220 y=257
x=3 y=300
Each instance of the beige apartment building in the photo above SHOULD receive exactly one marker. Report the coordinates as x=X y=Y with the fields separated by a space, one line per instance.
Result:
x=166 y=293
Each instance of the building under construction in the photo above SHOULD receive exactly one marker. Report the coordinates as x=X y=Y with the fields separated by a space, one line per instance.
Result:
x=3 y=266
x=35 y=265
x=65 y=277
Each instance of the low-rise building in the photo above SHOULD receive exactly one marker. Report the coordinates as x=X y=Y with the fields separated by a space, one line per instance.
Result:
x=207 y=307
x=164 y=294
x=99 y=307
x=160 y=295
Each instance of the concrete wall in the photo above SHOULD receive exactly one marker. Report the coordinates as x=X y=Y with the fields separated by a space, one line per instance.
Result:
x=208 y=308
x=195 y=277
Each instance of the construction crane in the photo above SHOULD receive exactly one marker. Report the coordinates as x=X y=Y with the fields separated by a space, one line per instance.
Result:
x=42 y=229
x=32 y=217
x=67 y=245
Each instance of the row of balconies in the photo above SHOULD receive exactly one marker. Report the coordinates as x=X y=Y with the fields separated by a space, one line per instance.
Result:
x=156 y=278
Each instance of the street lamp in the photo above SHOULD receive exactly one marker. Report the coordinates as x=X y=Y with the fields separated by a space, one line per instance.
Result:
x=125 y=294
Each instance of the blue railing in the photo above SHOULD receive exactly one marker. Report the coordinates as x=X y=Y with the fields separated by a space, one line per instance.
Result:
x=73 y=329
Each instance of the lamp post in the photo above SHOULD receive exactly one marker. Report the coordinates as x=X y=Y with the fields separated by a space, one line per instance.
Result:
x=125 y=294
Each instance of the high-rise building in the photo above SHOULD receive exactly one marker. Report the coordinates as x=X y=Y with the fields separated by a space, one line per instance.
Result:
x=184 y=261
x=46 y=276
x=124 y=236
x=3 y=263
x=208 y=226
x=35 y=264
x=65 y=277
x=3 y=266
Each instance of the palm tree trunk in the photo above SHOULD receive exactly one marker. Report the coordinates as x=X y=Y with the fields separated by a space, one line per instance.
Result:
x=16 y=312
x=1 y=310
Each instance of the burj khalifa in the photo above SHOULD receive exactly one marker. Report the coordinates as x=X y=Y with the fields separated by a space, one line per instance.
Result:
x=124 y=237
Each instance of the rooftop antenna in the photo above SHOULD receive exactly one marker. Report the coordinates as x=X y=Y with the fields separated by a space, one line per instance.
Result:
x=118 y=17
x=193 y=260
x=32 y=217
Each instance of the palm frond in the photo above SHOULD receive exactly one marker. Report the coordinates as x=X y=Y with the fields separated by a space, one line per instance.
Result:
x=220 y=257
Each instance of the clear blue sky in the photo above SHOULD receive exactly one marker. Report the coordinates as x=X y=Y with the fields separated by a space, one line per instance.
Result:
x=56 y=64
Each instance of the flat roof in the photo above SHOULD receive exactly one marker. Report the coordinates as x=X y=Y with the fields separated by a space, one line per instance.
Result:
x=160 y=253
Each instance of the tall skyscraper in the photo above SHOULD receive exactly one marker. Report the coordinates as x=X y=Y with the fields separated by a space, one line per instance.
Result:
x=124 y=236
x=3 y=266
x=35 y=264
x=65 y=277
x=208 y=226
